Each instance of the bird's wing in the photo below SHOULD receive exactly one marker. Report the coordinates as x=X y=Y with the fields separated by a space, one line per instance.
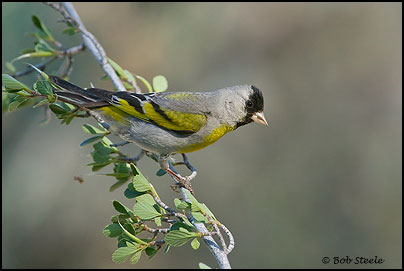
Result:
x=177 y=111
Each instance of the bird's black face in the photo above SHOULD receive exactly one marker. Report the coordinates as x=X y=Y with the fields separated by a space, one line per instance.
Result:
x=255 y=102
x=254 y=106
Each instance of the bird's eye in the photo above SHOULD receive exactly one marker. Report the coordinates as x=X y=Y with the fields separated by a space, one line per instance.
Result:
x=249 y=104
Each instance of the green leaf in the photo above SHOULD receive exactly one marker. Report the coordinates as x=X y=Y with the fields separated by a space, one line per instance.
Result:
x=204 y=266
x=43 y=29
x=10 y=67
x=120 y=207
x=145 y=211
x=131 y=192
x=132 y=236
x=67 y=107
x=116 y=67
x=70 y=31
x=206 y=210
x=160 y=83
x=119 y=217
x=69 y=23
x=161 y=172
x=69 y=119
x=182 y=227
x=117 y=175
x=195 y=244
x=44 y=101
x=34 y=55
x=181 y=205
x=122 y=167
x=127 y=85
x=105 y=77
x=123 y=253
x=135 y=258
x=37 y=22
x=198 y=207
x=116 y=185
x=42 y=46
x=12 y=85
x=123 y=171
x=145 y=82
x=100 y=158
x=140 y=183
x=178 y=238
x=90 y=140
x=146 y=198
x=129 y=228
x=57 y=109
x=102 y=148
x=43 y=87
x=198 y=216
x=151 y=251
x=129 y=76
x=108 y=142
x=121 y=241
x=112 y=230
x=19 y=100
x=187 y=222
x=166 y=249
x=27 y=50
x=158 y=221
x=96 y=166
x=92 y=130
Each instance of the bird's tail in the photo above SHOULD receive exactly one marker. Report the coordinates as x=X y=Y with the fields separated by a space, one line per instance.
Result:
x=75 y=95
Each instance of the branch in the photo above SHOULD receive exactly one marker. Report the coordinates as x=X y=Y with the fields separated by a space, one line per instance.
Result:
x=219 y=253
x=70 y=14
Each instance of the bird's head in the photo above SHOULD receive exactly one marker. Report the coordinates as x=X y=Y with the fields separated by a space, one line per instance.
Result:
x=245 y=104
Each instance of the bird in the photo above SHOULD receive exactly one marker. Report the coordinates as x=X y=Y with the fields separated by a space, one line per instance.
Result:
x=167 y=122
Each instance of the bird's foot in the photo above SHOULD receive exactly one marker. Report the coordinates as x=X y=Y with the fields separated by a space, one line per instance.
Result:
x=183 y=182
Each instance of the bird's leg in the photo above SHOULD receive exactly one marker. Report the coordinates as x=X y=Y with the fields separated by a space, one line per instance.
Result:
x=189 y=166
x=182 y=181
x=133 y=159
x=119 y=144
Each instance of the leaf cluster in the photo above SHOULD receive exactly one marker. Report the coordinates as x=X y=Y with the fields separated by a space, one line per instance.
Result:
x=130 y=222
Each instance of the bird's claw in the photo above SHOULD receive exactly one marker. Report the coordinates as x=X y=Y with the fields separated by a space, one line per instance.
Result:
x=183 y=182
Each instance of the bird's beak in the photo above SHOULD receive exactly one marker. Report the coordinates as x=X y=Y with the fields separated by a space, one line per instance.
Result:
x=259 y=118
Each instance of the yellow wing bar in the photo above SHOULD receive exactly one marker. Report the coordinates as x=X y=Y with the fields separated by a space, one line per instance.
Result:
x=169 y=119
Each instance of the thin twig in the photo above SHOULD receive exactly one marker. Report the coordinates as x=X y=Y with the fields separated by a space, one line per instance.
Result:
x=231 y=238
x=158 y=243
x=74 y=50
x=70 y=14
x=40 y=66
x=152 y=230
x=169 y=221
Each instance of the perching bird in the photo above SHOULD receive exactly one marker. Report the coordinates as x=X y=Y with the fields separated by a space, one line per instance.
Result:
x=169 y=122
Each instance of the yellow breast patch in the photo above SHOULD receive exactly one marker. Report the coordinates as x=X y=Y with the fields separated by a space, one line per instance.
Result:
x=215 y=135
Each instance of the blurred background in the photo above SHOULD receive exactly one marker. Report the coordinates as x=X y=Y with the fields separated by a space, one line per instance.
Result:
x=324 y=179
